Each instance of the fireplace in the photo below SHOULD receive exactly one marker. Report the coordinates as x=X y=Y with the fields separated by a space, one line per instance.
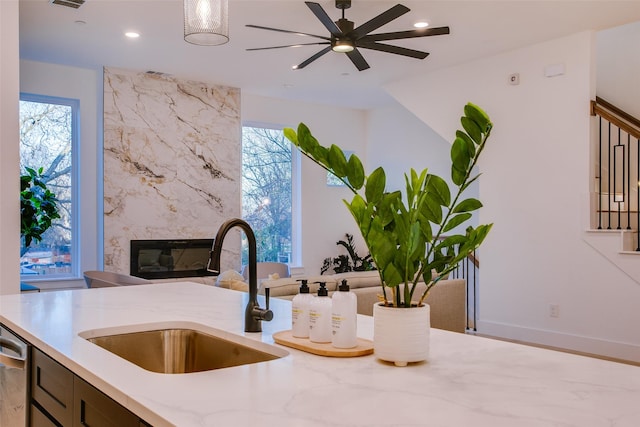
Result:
x=165 y=259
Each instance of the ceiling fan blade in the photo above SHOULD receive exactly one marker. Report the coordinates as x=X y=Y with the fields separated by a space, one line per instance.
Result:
x=392 y=49
x=380 y=20
x=358 y=60
x=324 y=18
x=422 y=32
x=313 y=58
x=288 y=45
x=287 y=31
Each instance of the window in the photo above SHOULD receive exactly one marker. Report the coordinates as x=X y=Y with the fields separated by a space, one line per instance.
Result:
x=48 y=134
x=267 y=193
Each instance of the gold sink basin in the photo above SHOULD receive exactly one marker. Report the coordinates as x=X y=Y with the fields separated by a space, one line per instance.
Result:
x=183 y=349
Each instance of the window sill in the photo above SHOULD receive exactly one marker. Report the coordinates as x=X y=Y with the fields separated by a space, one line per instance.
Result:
x=59 y=284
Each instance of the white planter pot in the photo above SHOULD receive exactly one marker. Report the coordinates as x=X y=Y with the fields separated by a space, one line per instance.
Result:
x=401 y=335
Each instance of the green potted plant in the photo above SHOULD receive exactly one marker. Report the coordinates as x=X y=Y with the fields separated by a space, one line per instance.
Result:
x=38 y=207
x=406 y=233
x=345 y=263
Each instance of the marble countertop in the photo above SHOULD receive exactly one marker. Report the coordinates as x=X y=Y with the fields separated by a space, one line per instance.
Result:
x=468 y=380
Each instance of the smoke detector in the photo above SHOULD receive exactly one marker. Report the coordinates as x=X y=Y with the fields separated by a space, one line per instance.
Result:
x=69 y=3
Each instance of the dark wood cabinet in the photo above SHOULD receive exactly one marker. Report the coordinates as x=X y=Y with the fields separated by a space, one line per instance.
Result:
x=93 y=408
x=59 y=398
x=39 y=418
x=52 y=387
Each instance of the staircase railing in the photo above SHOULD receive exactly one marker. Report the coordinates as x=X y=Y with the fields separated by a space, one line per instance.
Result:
x=468 y=269
x=617 y=169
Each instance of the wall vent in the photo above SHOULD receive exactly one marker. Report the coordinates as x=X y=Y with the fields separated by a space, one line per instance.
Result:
x=69 y=3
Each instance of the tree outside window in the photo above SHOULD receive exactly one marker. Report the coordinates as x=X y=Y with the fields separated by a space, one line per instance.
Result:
x=266 y=192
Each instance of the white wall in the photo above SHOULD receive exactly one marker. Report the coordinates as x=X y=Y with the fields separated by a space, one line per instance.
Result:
x=9 y=149
x=534 y=185
x=324 y=217
x=399 y=141
x=618 y=73
x=85 y=85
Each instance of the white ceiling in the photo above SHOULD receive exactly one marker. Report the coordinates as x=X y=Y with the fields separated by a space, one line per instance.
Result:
x=50 y=33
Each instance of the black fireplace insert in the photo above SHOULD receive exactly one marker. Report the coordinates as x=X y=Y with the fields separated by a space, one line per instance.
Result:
x=165 y=259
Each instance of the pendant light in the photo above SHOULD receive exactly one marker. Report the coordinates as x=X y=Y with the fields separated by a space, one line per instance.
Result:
x=206 y=22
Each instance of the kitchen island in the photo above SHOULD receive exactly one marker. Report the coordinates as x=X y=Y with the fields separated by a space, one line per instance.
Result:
x=468 y=380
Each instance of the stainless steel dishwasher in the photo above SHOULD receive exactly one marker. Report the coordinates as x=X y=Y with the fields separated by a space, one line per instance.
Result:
x=14 y=373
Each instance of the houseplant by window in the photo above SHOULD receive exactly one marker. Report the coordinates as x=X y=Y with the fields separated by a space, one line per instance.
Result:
x=345 y=263
x=406 y=233
x=38 y=207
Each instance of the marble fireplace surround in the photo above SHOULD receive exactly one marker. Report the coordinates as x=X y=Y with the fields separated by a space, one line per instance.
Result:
x=172 y=153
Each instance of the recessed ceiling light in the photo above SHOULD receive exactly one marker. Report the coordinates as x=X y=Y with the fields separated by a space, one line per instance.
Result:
x=80 y=22
x=132 y=34
x=421 y=24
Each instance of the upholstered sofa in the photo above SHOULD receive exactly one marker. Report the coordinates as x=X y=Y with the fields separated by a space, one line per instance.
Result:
x=446 y=300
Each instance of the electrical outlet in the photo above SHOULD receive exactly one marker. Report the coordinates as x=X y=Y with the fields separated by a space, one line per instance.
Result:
x=554 y=310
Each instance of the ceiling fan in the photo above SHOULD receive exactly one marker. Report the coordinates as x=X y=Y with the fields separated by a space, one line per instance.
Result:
x=345 y=38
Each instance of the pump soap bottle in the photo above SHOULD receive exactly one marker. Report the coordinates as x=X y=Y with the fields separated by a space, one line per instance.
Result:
x=344 y=317
x=320 y=316
x=300 y=311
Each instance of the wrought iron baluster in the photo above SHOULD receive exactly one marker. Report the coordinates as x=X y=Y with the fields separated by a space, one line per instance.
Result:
x=609 y=180
x=601 y=169
x=475 y=301
x=618 y=159
x=628 y=196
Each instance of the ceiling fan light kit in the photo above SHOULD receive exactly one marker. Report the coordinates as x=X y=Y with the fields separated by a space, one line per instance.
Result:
x=344 y=37
x=343 y=46
x=206 y=22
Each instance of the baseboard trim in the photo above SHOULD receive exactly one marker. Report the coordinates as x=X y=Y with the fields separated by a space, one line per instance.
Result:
x=575 y=343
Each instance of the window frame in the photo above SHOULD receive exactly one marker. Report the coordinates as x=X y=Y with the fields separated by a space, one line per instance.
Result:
x=74 y=104
x=296 y=194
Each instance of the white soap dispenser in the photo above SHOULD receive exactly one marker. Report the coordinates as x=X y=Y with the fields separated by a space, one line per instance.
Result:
x=320 y=316
x=300 y=311
x=344 y=317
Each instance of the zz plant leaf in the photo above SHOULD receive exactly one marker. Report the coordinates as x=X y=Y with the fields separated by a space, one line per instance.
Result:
x=355 y=172
x=467 y=205
x=337 y=161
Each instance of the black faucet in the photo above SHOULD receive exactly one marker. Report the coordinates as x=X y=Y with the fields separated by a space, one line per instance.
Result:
x=253 y=314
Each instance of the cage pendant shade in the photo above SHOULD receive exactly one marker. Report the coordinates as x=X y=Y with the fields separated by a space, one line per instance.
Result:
x=206 y=22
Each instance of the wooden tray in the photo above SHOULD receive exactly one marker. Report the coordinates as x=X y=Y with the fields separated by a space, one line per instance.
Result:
x=285 y=338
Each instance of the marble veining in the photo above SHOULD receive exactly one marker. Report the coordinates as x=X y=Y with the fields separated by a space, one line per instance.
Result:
x=468 y=380
x=171 y=161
